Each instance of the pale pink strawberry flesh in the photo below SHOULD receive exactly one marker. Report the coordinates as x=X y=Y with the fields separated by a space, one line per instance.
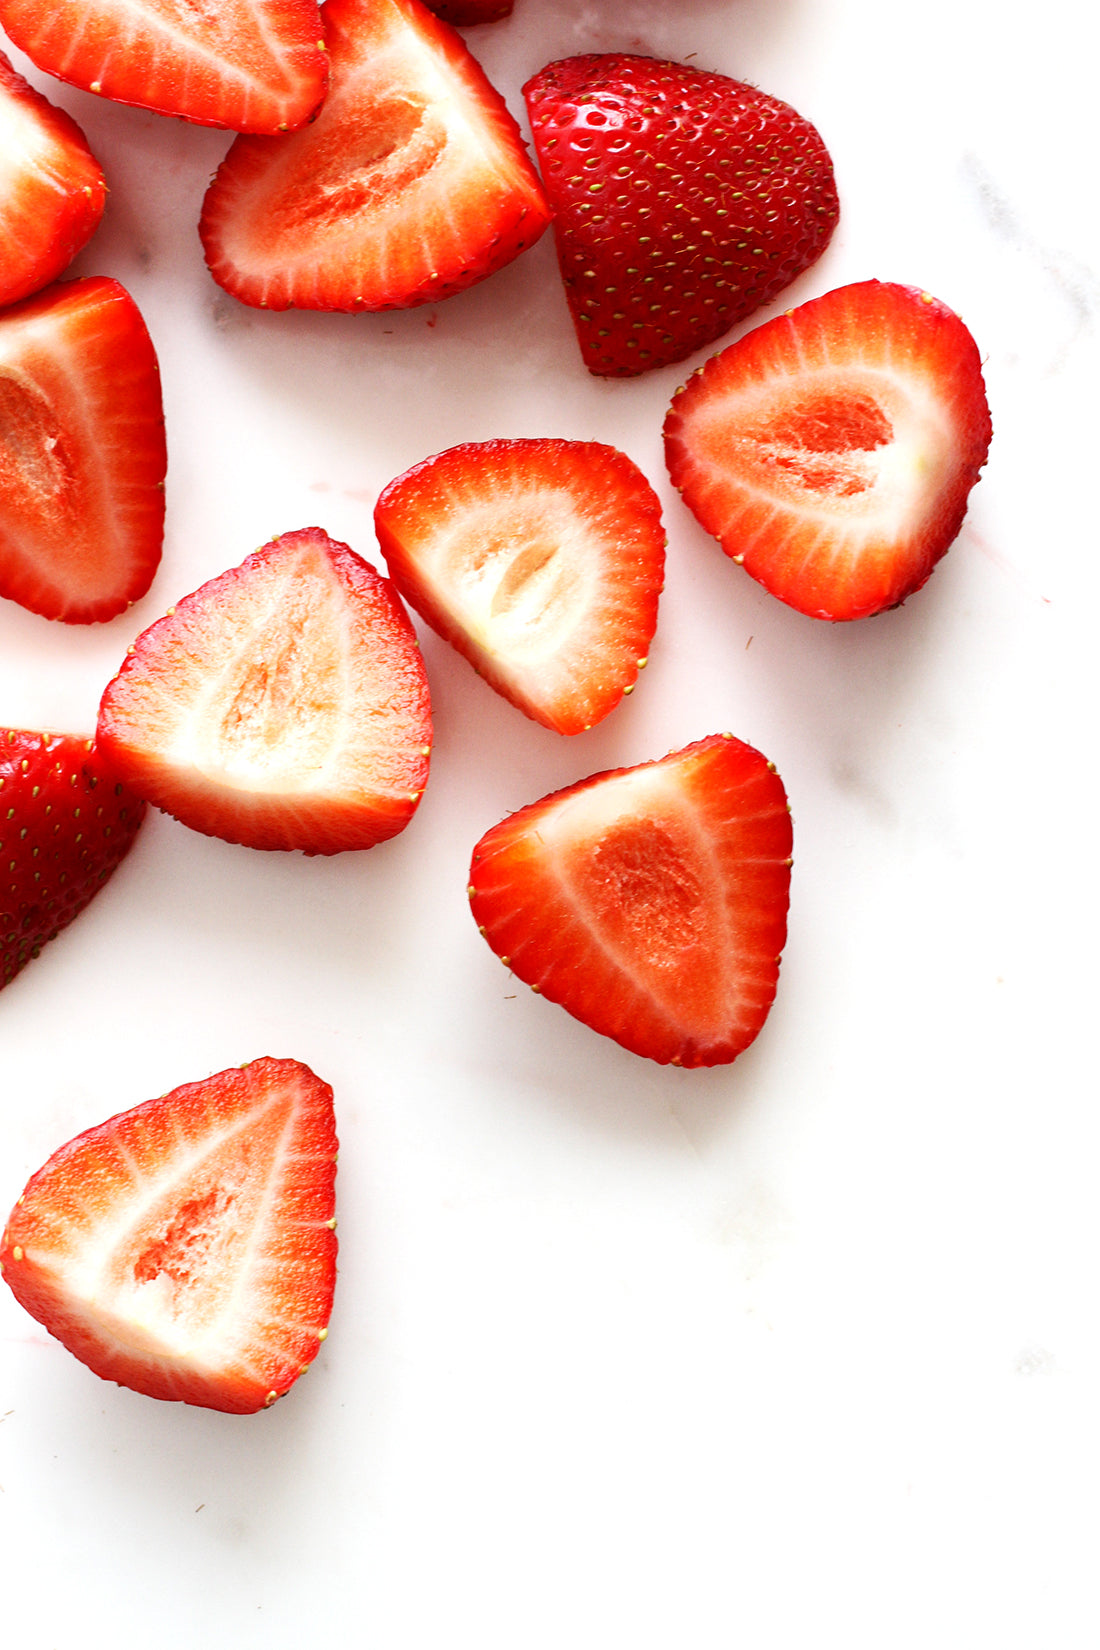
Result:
x=411 y=184
x=540 y=560
x=248 y=65
x=649 y=902
x=832 y=451
x=82 y=468
x=284 y=705
x=52 y=189
x=187 y=1248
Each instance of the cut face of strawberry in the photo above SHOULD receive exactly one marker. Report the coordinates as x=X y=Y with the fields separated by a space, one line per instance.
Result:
x=541 y=561
x=66 y=824
x=683 y=201
x=832 y=451
x=650 y=902
x=52 y=191
x=82 y=454
x=187 y=1248
x=248 y=65
x=283 y=705
x=412 y=183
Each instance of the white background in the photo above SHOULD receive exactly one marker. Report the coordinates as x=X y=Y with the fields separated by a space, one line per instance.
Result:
x=801 y=1350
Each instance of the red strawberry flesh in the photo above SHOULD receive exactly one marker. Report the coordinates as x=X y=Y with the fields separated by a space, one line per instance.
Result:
x=52 y=190
x=650 y=902
x=283 y=705
x=832 y=451
x=540 y=560
x=83 y=457
x=248 y=65
x=683 y=201
x=187 y=1249
x=411 y=185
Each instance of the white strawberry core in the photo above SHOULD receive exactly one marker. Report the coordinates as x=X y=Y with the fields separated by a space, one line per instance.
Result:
x=175 y=1274
x=856 y=446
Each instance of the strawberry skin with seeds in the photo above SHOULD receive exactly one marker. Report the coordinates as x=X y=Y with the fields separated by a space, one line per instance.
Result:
x=464 y=13
x=66 y=824
x=283 y=705
x=247 y=65
x=541 y=561
x=683 y=201
x=832 y=450
x=83 y=460
x=52 y=190
x=411 y=185
x=650 y=902
x=186 y=1249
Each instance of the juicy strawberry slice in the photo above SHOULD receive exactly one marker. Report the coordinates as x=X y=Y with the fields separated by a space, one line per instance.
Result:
x=282 y=705
x=52 y=191
x=650 y=902
x=683 y=201
x=187 y=1248
x=65 y=826
x=832 y=451
x=541 y=561
x=463 y=13
x=249 y=65
x=411 y=185
x=83 y=457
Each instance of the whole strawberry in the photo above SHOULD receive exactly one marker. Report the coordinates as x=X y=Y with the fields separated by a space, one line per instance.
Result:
x=684 y=200
x=65 y=825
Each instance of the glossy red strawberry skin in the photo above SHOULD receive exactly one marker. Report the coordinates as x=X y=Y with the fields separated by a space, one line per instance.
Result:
x=832 y=451
x=247 y=65
x=464 y=14
x=683 y=201
x=52 y=190
x=284 y=705
x=82 y=467
x=411 y=185
x=186 y=1248
x=540 y=560
x=649 y=902
x=66 y=824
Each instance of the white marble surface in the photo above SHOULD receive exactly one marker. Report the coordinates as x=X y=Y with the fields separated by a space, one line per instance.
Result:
x=800 y=1351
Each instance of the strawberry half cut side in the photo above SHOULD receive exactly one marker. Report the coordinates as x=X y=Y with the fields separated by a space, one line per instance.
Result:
x=66 y=824
x=187 y=1248
x=52 y=190
x=412 y=183
x=82 y=452
x=539 y=560
x=283 y=705
x=683 y=200
x=832 y=451
x=650 y=902
x=247 y=65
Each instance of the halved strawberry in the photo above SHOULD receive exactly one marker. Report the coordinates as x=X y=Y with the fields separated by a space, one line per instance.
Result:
x=248 y=65
x=832 y=451
x=187 y=1248
x=541 y=561
x=683 y=200
x=52 y=190
x=412 y=183
x=66 y=824
x=83 y=457
x=282 y=705
x=650 y=902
